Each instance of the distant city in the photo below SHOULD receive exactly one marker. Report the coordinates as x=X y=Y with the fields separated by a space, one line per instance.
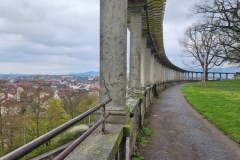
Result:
x=88 y=82
x=27 y=100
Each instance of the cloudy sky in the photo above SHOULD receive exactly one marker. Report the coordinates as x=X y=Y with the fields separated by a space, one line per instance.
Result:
x=177 y=19
x=62 y=36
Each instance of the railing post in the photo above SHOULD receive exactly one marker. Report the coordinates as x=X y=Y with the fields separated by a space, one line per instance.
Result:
x=103 y=116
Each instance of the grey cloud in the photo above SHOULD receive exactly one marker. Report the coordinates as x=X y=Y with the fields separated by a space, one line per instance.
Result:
x=62 y=36
x=61 y=32
x=175 y=21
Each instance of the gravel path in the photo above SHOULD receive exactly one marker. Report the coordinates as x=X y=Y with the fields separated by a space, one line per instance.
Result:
x=180 y=133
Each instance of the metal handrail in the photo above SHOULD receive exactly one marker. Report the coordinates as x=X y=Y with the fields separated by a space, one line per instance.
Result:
x=27 y=148
x=71 y=147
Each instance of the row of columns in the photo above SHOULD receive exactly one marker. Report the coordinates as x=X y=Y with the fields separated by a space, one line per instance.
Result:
x=190 y=75
x=145 y=67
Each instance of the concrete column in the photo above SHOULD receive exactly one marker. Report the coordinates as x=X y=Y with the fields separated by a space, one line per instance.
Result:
x=220 y=76
x=226 y=75
x=168 y=74
x=143 y=62
x=155 y=69
x=160 y=72
x=213 y=76
x=147 y=66
x=113 y=46
x=152 y=69
x=135 y=47
x=165 y=73
x=192 y=75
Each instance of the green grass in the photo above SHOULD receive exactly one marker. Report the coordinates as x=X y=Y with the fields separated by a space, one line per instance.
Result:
x=143 y=136
x=138 y=157
x=219 y=102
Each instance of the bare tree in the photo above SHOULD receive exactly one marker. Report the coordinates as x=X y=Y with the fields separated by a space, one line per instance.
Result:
x=201 y=46
x=224 y=17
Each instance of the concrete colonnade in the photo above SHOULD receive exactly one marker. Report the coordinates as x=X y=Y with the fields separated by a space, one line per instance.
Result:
x=145 y=66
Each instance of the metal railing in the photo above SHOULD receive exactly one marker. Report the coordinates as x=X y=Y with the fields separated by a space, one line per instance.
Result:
x=22 y=151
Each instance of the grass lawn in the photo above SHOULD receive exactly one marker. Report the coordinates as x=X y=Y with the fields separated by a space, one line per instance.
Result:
x=219 y=102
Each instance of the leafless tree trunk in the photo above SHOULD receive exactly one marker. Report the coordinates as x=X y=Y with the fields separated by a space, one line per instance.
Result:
x=201 y=46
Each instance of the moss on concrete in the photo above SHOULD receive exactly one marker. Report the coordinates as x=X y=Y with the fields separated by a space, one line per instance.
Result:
x=128 y=127
x=99 y=146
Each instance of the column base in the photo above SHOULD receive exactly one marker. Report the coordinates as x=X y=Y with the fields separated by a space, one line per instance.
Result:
x=117 y=116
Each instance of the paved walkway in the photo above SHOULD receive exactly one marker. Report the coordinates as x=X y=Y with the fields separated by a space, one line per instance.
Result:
x=180 y=133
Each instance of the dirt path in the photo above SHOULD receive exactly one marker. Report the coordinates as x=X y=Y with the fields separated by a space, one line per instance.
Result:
x=180 y=133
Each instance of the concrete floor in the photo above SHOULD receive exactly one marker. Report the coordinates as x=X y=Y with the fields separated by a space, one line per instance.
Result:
x=180 y=133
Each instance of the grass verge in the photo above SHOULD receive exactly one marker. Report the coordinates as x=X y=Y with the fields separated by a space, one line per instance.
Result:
x=219 y=102
x=142 y=140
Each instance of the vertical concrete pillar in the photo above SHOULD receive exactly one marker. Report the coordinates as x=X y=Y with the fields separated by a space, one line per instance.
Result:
x=155 y=69
x=162 y=74
x=113 y=46
x=143 y=62
x=226 y=75
x=220 y=76
x=158 y=71
x=168 y=74
x=152 y=69
x=165 y=74
x=135 y=47
x=213 y=76
x=192 y=75
x=147 y=66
